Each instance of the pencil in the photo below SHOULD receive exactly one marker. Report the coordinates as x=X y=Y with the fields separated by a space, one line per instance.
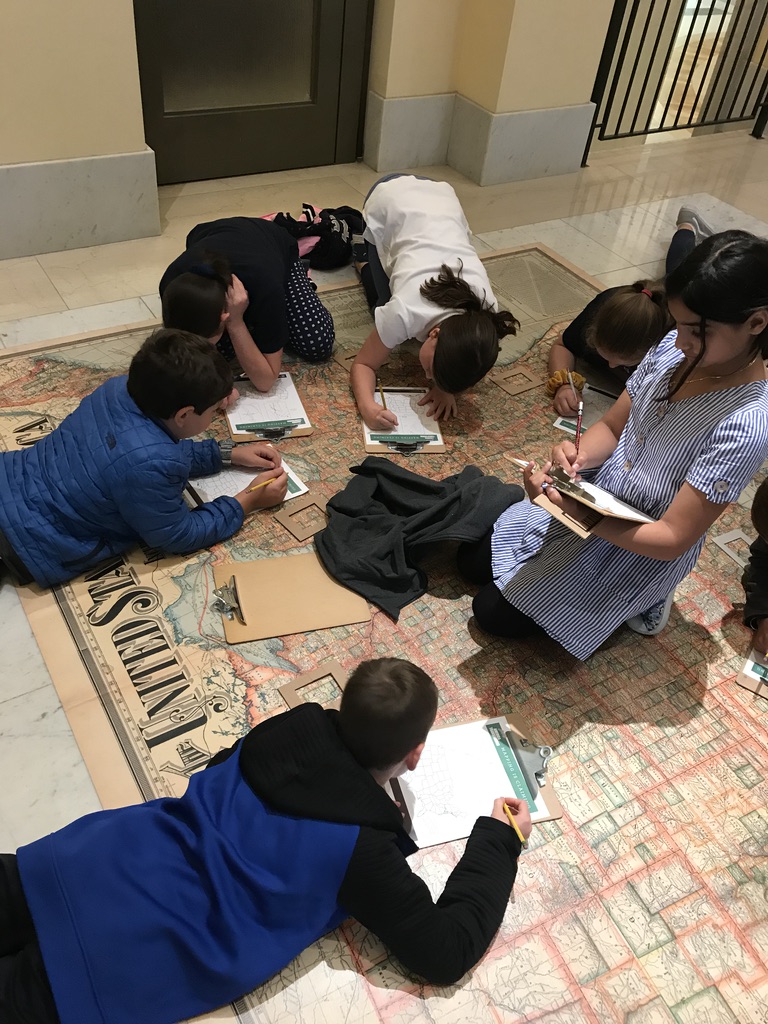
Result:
x=521 y=463
x=578 y=426
x=573 y=386
x=257 y=486
x=514 y=824
x=381 y=392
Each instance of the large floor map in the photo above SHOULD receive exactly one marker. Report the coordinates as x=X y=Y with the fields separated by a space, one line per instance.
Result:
x=647 y=902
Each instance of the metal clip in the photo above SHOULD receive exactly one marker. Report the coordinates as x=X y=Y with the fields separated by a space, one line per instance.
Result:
x=229 y=600
x=30 y=433
x=406 y=448
x=533 y=760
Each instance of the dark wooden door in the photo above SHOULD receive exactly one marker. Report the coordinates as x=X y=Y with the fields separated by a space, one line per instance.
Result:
x=242 y=86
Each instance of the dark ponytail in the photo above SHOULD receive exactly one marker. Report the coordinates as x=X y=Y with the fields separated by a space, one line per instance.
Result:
x=468 y=343
x=195 y=300
x=631 y=321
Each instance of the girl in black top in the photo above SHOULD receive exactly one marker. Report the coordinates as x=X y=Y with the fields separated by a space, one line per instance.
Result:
x=240 y=284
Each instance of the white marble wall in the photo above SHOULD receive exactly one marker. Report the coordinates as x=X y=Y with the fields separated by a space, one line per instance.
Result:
x=69 y=204
x=418 y=131
x=412 y=131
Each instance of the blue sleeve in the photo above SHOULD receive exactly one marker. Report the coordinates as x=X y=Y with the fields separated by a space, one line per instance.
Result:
x=150 y=500
x=204 y=457
x=737 y=449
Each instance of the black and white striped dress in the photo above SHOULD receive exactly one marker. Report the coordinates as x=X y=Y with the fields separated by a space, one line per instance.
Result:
x=580 y=591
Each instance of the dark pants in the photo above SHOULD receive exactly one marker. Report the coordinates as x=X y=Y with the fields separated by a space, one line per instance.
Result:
x=25 y=995
x=683 y=242
x=493 y=613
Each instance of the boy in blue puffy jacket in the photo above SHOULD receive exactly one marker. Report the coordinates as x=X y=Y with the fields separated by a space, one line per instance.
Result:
x=156 y=913
x=113 y=473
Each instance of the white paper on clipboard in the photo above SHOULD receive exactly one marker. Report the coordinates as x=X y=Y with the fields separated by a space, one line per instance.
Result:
x=457 y=779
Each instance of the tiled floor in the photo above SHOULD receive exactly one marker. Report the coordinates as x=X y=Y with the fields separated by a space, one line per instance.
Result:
x=613 y=219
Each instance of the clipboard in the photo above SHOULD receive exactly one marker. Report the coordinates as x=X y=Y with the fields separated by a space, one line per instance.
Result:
x=518 y=759
x=269 y=415
x=422 y=434
x=594 y=498
x=754 y=674
x=279 y=596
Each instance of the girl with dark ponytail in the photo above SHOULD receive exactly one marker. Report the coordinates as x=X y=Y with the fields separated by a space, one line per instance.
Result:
x=426 y=282
x=240 y=284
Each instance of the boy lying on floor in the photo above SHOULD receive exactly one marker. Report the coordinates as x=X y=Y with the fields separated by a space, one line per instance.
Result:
x=159 y=912
x=113 y=473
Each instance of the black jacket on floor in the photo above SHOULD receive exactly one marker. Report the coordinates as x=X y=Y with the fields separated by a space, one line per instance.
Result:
x=385 y=519
x=755 y=583
x=298 y=764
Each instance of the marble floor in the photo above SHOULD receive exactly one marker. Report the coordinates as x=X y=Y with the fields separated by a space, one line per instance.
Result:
x=613 y=219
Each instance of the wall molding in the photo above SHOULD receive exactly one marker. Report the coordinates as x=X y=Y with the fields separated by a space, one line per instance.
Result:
x=53 y=205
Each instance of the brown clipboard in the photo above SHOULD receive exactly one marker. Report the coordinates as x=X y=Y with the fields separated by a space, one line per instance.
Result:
x=399 y=443
x=757 y=686
x=279 y=431
x=284 y=595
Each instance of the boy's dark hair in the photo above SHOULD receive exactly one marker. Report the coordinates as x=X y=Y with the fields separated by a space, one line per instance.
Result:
x=725 y=279
x=387 y=708
x=760 y=510
x=468 y=344
x=630 y=322
x=175 y=369
x=194 y=301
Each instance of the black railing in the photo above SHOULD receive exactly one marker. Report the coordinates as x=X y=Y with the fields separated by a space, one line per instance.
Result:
x=681 y=64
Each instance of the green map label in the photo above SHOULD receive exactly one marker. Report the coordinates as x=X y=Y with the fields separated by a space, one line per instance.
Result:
x=511 y=767
x=270 y=424
x=403 y=438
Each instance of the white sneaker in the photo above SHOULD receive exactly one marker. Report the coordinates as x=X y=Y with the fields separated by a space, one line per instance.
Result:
x=653 y=620
x=687 y=215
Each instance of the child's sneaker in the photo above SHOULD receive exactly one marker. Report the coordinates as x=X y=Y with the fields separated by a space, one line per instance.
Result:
x=701 y=230
x=652 y=621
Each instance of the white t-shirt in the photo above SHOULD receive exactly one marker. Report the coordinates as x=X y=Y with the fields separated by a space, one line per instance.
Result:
x=416 y=226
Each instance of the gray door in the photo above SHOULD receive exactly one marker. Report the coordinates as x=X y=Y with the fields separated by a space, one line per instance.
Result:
x=242 y=86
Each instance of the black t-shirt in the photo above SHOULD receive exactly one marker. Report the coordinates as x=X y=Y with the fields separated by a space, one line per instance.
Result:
x=261 y=254
x=575 y=338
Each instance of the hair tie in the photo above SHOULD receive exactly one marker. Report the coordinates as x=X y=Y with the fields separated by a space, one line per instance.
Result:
x=204 y=270
x=644 y=291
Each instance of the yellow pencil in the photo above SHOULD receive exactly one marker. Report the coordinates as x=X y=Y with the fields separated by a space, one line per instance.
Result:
x=257 y=486
x=383 y=399
x=514 y=824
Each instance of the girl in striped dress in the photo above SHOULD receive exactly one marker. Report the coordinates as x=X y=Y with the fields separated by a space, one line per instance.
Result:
x=680 y=443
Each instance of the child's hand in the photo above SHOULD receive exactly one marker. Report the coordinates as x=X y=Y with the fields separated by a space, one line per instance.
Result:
x=536 y=481
x=275 y=485
x=229 y=401
x=519 y=809
x=376 y=417
x=564 y=403
x=564 y=456
x=258 y=455
x=440 y=405
x=237 y=300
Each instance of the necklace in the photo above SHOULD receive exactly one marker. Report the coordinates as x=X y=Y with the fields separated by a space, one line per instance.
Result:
x=723 y=376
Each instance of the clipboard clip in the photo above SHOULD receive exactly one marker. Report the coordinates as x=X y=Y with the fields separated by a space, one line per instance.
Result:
x=406 y=448
x=229 y=600
x=275 y=433
x=31 y=432
x=533 y=760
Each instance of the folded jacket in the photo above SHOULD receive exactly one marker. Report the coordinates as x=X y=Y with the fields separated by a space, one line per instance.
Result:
x=386 y=517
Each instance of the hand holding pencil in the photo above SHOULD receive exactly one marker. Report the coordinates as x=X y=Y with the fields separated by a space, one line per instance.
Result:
x=267 y=489
x=515 y=813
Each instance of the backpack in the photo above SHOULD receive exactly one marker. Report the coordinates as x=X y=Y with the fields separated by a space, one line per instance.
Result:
x=333 y=229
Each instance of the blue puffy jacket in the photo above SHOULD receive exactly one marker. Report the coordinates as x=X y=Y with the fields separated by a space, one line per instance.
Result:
x=106 y=478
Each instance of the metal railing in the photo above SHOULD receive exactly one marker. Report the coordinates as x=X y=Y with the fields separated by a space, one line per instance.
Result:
x=679 y=64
